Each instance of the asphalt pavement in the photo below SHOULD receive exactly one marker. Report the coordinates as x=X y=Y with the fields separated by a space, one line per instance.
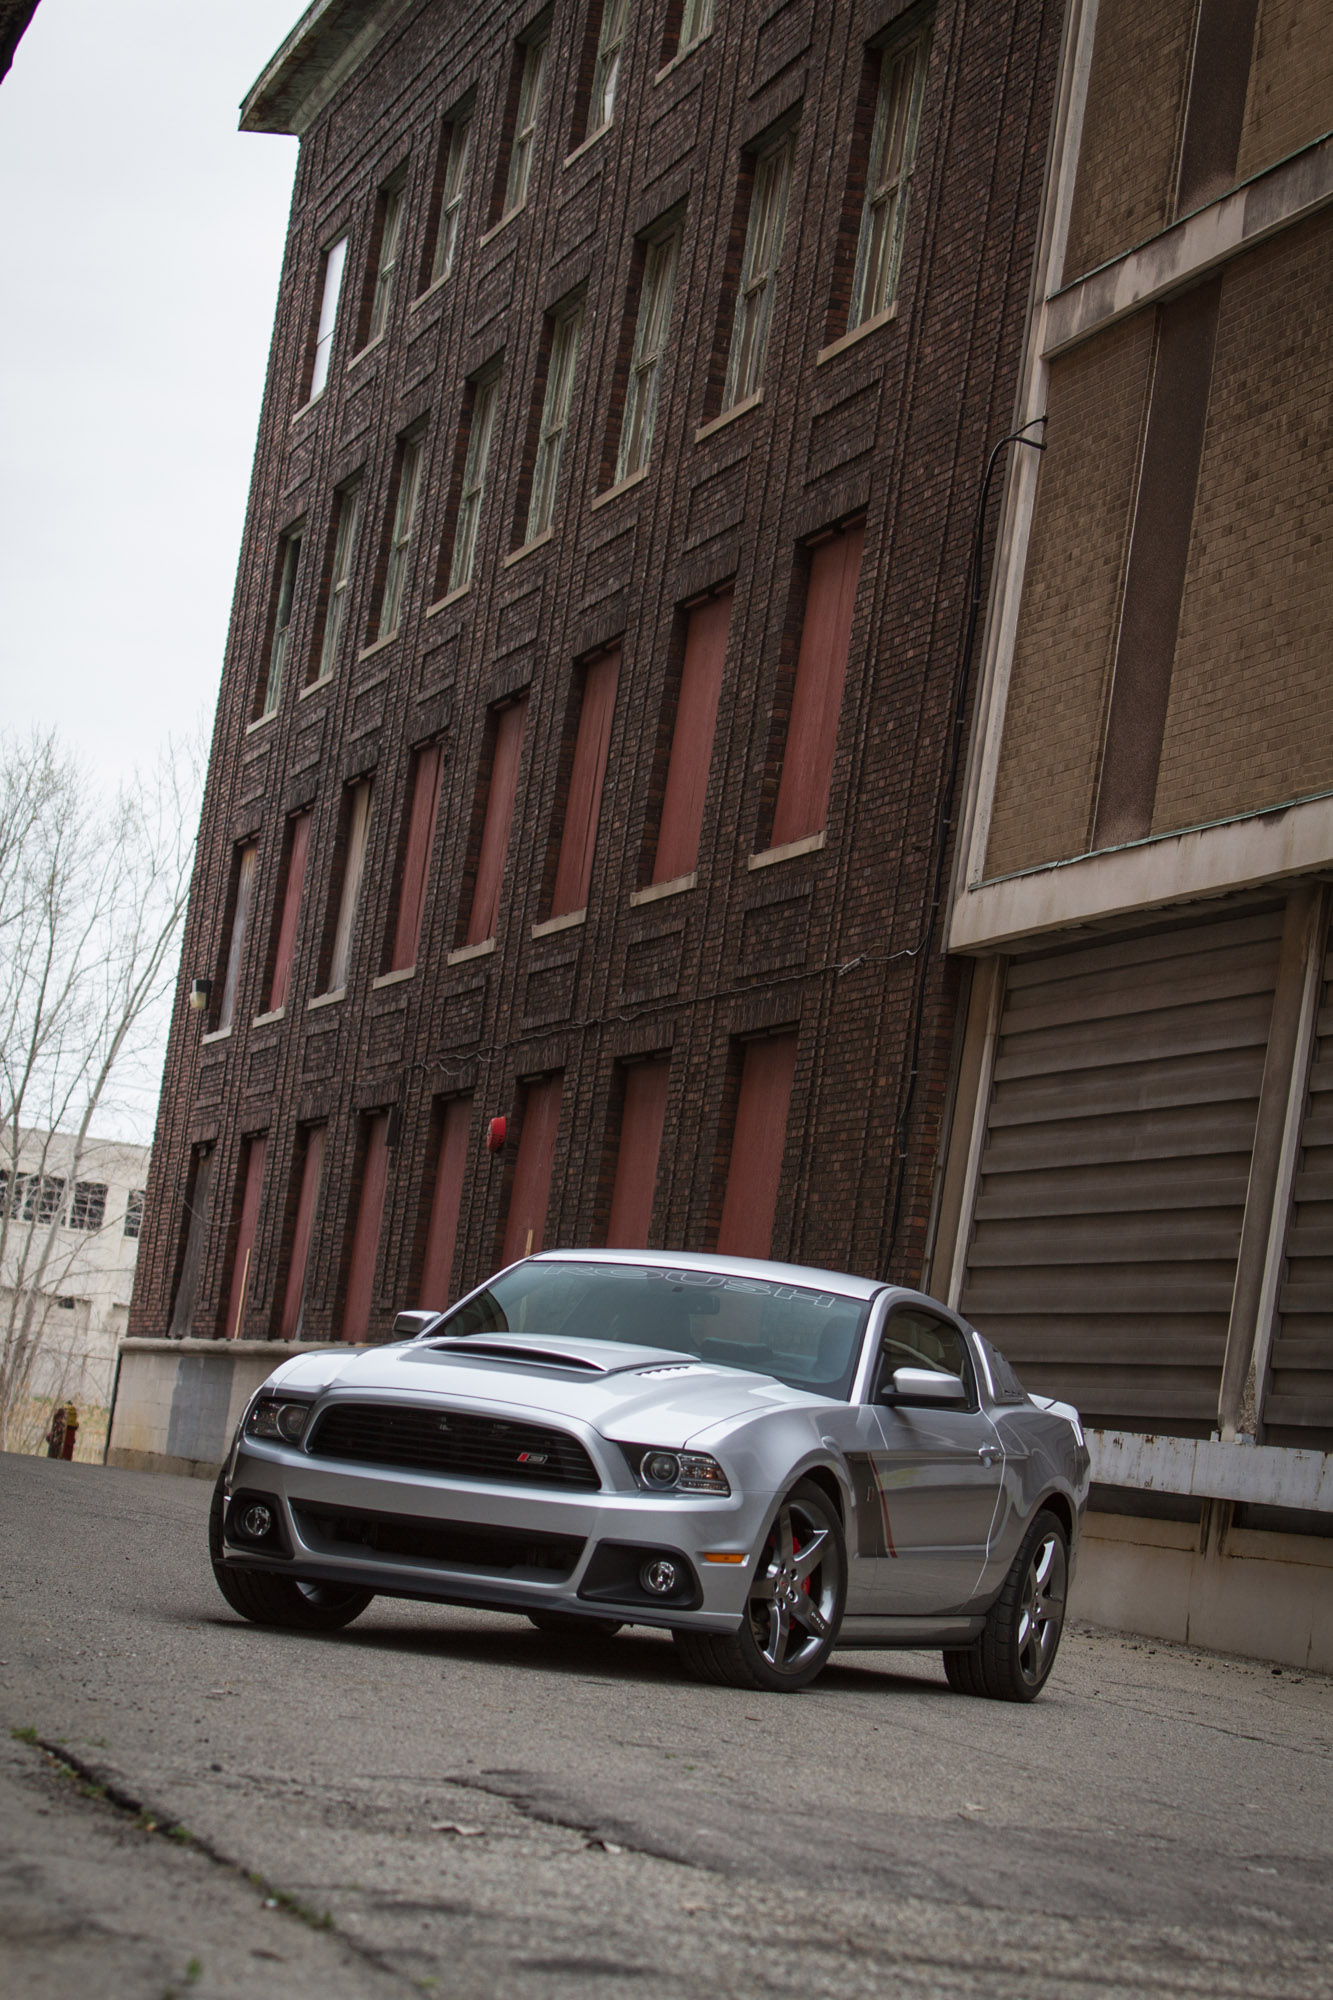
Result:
x=442 y=1801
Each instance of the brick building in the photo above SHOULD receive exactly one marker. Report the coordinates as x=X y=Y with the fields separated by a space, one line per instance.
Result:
x=589 y=700
x=1138 y=1194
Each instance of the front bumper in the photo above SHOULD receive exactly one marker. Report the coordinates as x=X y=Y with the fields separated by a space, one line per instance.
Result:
x=471 y=1542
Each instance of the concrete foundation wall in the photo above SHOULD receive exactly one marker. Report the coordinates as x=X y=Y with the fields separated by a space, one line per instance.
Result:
x=179 y=1401
x=1267 y=1596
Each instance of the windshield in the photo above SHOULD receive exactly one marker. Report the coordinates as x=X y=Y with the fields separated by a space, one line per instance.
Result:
x=808 y=1339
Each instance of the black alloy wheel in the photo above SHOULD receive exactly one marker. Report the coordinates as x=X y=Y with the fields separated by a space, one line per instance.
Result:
x=1012 y=1660
x=798 y=1585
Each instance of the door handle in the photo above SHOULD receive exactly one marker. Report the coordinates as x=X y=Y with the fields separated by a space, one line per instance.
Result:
x=988 y=1453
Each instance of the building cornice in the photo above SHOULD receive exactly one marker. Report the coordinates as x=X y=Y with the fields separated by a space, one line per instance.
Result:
x=331 y=39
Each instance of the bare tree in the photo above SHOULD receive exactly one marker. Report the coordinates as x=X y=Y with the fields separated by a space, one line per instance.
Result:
x=92 y=900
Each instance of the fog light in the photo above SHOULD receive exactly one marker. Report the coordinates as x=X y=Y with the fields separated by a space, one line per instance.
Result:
x=256 y=1522
x=660 y=1577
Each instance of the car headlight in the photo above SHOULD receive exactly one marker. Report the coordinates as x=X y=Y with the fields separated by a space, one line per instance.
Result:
x=677 y=1471
x=284 y=1421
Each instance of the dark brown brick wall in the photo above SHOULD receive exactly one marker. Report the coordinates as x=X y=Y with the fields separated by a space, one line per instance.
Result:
x=897 y=424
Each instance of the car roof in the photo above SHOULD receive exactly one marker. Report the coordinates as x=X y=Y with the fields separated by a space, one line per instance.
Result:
x=731 y=1267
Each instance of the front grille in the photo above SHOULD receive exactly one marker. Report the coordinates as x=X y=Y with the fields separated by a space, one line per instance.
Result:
x=447 y=1544
x=458 y=1444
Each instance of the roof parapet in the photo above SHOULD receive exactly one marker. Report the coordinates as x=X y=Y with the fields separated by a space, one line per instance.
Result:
x=329 y=41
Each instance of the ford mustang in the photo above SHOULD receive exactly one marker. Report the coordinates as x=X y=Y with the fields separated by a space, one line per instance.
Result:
x=769 y=1462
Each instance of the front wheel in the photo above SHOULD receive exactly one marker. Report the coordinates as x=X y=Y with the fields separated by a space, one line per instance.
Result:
x=794 y=1607
x=1012 y=1660
x=268 y=1599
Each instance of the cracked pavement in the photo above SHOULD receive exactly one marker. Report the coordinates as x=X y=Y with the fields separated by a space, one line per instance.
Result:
x=447 y=1801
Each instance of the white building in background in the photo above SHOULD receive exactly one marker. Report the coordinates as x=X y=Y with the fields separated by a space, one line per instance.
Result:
x=84 y=1290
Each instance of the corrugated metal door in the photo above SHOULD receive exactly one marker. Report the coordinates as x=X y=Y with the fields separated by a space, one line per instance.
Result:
x=1117 y=1153
x=1299 y=1406
x=759 y=1139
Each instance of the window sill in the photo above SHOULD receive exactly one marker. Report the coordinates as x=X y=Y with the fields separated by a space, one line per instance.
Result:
x=216 y=1035
x=729 y=416
x=467 y=951
x=260 y=721
x=313 y=687
x=809 y=843
x=614 y=492
x=450 y=597
x=377 y=646
x=537 y=542
x=394 y=978
x=370 y=348
x=657 y=890
x=591 y=140
x=326 y=999
x=267 y=1020
x=432 y=290
x=306 y=408
x=681 y=56
x=490 y=235
x=568 y=922
x=867 y=326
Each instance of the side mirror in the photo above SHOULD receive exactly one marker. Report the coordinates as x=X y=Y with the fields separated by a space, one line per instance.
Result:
x=408 y=1325
x=923 y=1385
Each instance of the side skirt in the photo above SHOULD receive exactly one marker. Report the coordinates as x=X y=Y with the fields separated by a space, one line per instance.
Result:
x=885 y=1633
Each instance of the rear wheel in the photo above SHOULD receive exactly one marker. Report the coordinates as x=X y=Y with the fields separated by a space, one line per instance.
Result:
x=794 y=1607
x=1012 y=1660
x=565 y=1625
x=268 y=1599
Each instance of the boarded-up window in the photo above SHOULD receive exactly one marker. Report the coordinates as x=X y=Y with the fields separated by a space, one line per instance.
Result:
x=692 y=739
x=307 y=1202
x=758 y=1139
x=642 y=1115
x=816 y=702
x=446 y=1202
x=349 y=896
x=497 y=818
x=587 y=774
x=249 y=1188
x=284 y=950
x=194 y=1235
x=246 y=859
x=530 y=1193
x=366 y=1232
x=416 y=856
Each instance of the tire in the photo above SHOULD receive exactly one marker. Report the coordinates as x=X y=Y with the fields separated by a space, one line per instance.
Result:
x=1013 y=1658
x=565 y=1625
x=268 y=1599
x=794 y=1608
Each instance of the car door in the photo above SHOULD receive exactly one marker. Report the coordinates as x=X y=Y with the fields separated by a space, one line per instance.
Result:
x=928 y=1487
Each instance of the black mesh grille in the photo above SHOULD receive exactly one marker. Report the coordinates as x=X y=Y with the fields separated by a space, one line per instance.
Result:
x=455 y=1443
x=447 y=1544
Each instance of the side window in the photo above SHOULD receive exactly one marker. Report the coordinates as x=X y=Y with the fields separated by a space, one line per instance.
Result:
x=915 y=1339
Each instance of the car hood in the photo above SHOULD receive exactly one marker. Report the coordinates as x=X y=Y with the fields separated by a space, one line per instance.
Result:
x=639 y=1395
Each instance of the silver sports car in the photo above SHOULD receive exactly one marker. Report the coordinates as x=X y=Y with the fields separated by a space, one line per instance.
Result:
x=769 y=1461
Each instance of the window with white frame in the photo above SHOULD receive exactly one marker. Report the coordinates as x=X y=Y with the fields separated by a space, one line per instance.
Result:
x=335 y=257
x=392 y=199
x=411 y=450
x=606 y=68
x=453 y=194
x=38 y=1198
x=134 y=1212
x=763 y=247
x=483 y=397
x=88 y=1208
x=566 y=328
x=340 y=577
x=902 y=79
x=282 y=619
x=531 y=89
x=656 y=292
x=349 y=895
x=696 y=20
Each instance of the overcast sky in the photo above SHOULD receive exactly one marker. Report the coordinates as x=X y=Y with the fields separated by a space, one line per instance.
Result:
x=142 y=243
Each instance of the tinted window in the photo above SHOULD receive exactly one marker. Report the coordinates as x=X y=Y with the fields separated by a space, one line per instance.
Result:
x=808 y=1339
x=914 y=1339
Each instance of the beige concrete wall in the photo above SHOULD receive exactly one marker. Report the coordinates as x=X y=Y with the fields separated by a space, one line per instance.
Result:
x=178 y=1402
x=1269 y=1597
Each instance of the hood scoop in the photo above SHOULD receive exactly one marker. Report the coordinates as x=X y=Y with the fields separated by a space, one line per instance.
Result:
x=519 y=1351
x=681 y=1368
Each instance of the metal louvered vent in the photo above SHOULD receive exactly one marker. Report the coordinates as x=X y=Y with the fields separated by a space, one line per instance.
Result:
x=456 y=1444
